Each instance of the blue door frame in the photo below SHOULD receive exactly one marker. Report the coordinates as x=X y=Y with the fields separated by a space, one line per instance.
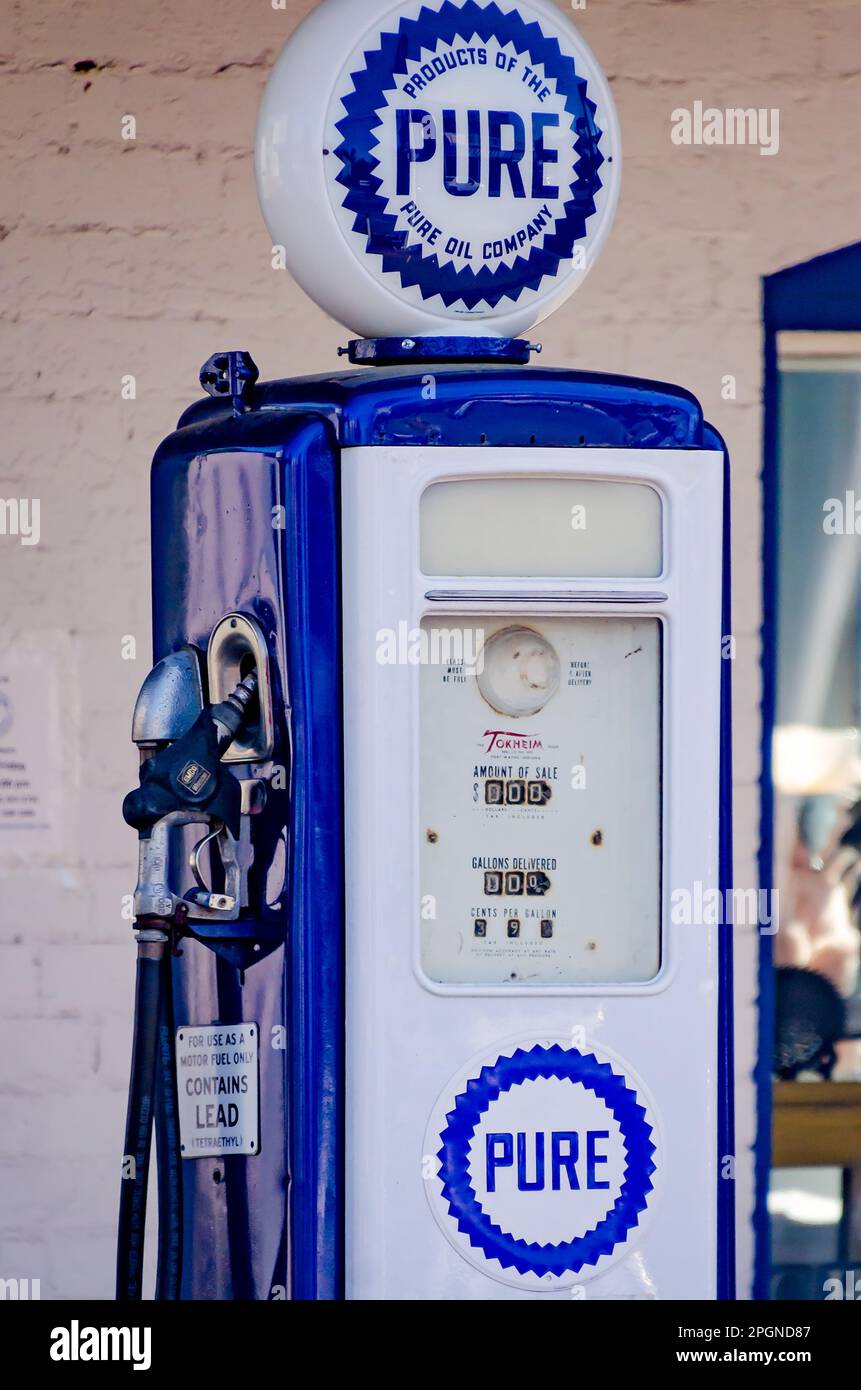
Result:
x=822 y=295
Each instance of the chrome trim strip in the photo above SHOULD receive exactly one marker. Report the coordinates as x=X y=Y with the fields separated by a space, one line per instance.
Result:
x=544 y=596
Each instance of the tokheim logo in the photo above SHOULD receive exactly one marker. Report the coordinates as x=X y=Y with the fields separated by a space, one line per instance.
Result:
x=503 y=741
x=469 y=153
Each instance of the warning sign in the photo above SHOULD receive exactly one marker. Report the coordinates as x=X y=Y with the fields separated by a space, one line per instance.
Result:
x=37 y=701
x=217 y=1072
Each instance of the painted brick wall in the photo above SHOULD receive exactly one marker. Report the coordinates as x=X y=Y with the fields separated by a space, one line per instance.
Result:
x=141 y=258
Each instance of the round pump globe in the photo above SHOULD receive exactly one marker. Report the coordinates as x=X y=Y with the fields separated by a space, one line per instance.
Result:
x=438 y=167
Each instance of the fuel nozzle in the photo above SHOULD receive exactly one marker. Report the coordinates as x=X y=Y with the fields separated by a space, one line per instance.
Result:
x=231 y=714
x=188 y=774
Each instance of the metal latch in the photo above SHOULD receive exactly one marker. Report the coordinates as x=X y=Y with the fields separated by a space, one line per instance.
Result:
x=230 y=374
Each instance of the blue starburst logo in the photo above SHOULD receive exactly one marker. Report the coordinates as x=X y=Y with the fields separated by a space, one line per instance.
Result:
x=476 y=1103
x=515 y=65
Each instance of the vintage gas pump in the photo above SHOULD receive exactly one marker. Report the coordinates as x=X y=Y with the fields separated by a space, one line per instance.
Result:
x=439 y=729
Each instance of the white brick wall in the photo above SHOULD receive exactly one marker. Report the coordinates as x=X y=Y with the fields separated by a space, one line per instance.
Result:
x=144 y=258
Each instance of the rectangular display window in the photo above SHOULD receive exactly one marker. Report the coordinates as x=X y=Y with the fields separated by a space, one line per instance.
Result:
x=572 y=528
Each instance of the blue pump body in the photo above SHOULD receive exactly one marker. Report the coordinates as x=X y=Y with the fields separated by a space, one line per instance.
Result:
x=245 y=517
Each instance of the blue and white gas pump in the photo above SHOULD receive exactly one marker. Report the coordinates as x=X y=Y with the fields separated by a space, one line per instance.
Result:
x=438 y=728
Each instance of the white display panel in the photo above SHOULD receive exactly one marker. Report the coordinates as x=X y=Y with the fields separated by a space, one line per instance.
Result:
x=430 y=1065
x=543 y=527
x=541 y=833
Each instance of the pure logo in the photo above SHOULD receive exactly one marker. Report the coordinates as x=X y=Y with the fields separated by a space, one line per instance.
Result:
x=497 y=147
x=469 y=155
x=562 y=1171
x=546 y=1157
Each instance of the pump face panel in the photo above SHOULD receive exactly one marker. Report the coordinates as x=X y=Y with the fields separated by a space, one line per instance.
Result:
x=532 y=788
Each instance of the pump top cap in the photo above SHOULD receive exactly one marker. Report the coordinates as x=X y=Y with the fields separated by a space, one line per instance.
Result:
x=438 y=166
